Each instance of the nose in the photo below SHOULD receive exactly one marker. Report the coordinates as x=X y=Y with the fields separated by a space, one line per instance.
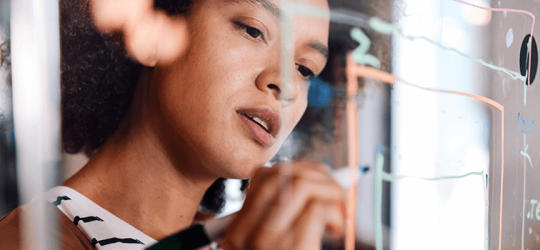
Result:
x=286 y=91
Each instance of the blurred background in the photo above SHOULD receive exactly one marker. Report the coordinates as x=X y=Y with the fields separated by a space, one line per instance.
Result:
x=9 y=197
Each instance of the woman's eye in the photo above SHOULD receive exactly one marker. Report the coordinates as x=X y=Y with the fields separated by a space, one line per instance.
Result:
x=306 y=72
x=252 y=32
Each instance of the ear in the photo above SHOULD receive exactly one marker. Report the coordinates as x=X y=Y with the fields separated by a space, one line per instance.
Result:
x=151 y=36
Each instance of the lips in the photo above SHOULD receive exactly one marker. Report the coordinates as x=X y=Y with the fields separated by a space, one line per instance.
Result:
x=262 y=124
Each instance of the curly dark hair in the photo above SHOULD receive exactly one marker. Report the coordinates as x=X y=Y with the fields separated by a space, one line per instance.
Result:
x=98 y=82
x=98 y=78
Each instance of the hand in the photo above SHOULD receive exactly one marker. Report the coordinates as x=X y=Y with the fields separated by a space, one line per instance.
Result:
x=288 y=206
x=151 y=36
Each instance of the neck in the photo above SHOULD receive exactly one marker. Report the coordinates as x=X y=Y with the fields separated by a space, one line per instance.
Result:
x=136 y=177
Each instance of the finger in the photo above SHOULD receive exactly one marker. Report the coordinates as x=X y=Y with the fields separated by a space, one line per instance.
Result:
x=333 y=217
x=156 y=38
x=261 y=196
x=287 y=171
x=300 y=166
x=245 y=222
x=226 y=244
x=151 y=36
x=303 y=192
x=265 y=178
x=280 y=217
x=308 y=230
x=335 y=222
x=111 y=15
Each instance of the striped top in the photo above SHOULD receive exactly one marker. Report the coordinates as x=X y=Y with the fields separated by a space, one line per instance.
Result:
x=103 y=229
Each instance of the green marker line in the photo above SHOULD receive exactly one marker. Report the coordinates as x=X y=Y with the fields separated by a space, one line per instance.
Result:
x=390 y=177
x=382 y=26
x=527 y=71
x=360 y=54
x=524 y=153
x=525 y=94
x=386 y=28
x=350 y=17
x=379 y=162
x=304 y=9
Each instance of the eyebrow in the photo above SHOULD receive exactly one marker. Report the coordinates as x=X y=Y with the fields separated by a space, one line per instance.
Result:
x=319 y=47
x=276 y=11
x=266 y=4
x=273 y=8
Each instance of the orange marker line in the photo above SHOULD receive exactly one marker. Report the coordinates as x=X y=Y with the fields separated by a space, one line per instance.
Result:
x=528 y=83
x=352 y=141
x=353 y=72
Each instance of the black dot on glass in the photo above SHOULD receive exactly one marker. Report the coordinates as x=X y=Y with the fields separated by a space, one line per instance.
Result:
x=524 y=58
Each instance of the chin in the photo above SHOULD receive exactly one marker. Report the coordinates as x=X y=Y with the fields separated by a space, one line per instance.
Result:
x=239 y=171
x=243 y=167
x=242 y=171
x=236 y=157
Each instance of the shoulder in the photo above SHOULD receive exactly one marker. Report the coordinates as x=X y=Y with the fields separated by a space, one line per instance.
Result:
x=68 y=236
x=10 y=230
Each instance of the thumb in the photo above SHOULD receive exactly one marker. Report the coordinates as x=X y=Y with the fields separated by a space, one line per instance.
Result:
x=151 y=36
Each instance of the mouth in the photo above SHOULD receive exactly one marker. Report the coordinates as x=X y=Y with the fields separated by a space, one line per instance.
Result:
x=263 y=124
x=258 y=121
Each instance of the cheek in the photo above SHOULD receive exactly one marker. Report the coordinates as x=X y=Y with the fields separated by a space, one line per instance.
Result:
x=294 y=114
x=213 y=70
x=300 y=105
x=200 y=92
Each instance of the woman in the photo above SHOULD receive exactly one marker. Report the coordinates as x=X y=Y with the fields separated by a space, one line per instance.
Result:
x=216 y=109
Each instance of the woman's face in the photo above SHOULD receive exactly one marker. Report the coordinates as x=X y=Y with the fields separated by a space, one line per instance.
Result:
x=223 y=105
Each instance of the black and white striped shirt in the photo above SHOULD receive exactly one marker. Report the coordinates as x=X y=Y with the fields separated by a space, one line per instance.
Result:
x=102 y=228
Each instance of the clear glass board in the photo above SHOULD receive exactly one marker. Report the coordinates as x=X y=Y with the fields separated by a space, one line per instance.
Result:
x=445 y=122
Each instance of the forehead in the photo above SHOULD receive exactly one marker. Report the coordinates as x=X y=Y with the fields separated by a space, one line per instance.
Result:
x=313 y=30
x=275 y=6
